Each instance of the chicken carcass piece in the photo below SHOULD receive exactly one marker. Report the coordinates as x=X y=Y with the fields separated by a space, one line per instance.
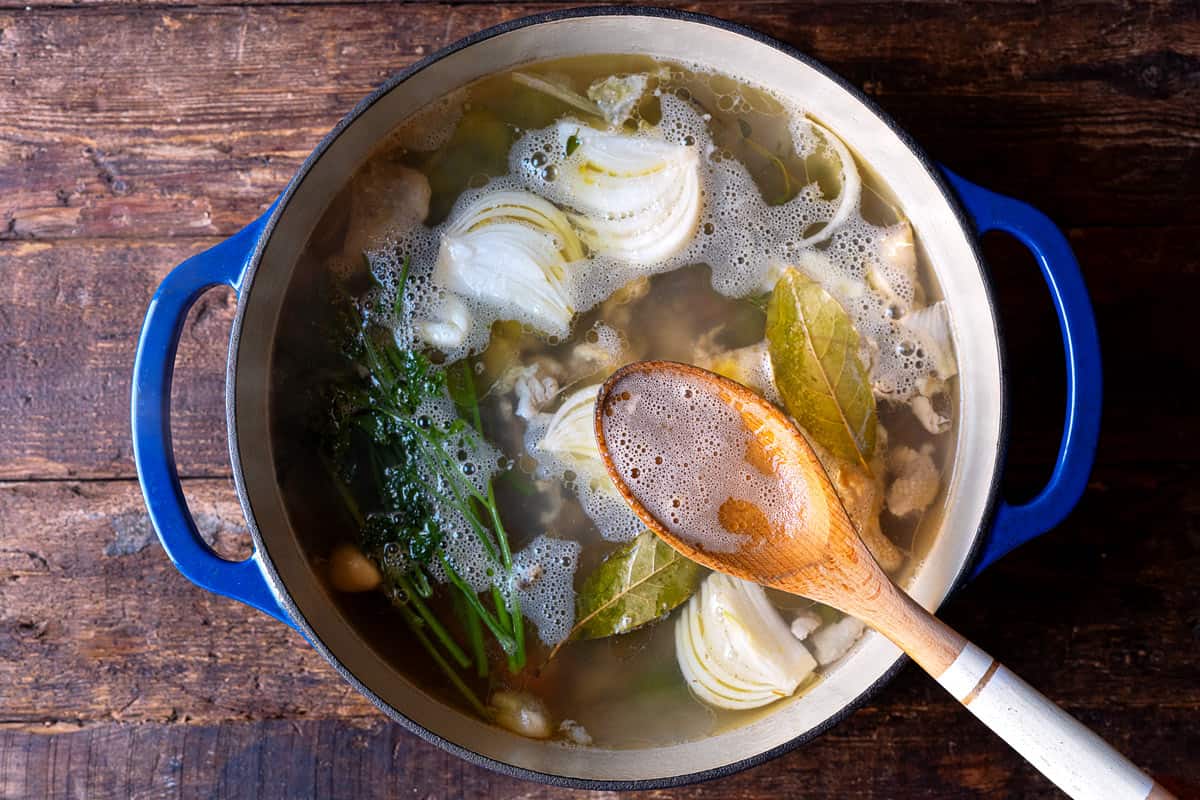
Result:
x=385 y=198
x=863 y=496
x=916 y=480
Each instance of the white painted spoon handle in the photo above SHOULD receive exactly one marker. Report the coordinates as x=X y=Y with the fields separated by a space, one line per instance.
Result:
x=1071 y=755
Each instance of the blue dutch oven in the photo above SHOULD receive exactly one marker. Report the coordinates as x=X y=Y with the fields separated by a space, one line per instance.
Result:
x=948 y=214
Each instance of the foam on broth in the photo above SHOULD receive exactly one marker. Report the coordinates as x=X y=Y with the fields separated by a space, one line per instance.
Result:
x=688 y=457
x=743 y=237
x=625 y=690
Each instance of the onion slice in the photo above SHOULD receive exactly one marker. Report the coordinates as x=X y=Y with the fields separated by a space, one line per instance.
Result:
x=508 y=251
x=634 y=197
x=734 y=649
x=851 y=188
x=570 y=435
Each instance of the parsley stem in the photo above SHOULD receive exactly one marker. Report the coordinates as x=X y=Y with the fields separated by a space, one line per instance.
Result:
x=456 y=680
x=501 y=535
x=401 y=285
x=468 y=376
x=516 y=660
x=474 y=628
x=344 y=491
x=501 y=606
x=420 y=582
x=380 y=369
x=518 y=628
x=439 y=630
x=454 y=473
x=459 y=503
x=507 y=643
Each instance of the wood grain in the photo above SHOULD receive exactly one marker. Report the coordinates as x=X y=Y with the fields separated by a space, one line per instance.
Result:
x=250 y=760
x=144 y=660
x=155 y=647
x=70 y=311
x=133 y=135
x=124 y=122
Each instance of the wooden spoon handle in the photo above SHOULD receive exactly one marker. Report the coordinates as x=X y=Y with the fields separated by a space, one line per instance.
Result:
x=1064 y=750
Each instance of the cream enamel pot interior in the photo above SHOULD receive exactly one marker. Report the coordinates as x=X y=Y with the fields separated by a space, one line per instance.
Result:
x=259 y=262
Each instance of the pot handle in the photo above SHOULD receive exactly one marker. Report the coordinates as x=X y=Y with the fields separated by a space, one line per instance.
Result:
x=151 y=417
x=1016 y=524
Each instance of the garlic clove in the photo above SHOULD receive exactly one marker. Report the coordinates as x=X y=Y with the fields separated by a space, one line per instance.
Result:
x=521 y=713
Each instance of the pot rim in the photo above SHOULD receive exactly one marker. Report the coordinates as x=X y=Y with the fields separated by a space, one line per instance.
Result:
x=279 y=207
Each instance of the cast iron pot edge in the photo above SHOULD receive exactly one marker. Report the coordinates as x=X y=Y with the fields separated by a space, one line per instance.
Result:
x=280 y=588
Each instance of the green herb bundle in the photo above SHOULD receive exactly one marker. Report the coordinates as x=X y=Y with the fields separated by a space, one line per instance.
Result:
x=400 y=474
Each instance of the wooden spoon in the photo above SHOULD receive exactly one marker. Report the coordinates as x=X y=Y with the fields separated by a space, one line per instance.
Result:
x=725 y=478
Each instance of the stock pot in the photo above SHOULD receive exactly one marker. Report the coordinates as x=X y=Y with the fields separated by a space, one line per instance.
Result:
x=948 y=215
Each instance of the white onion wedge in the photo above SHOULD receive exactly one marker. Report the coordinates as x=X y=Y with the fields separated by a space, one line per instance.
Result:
x=734 y=649
x=570 y=434
x=851 y=188
x=634 y=198
x=509 y=251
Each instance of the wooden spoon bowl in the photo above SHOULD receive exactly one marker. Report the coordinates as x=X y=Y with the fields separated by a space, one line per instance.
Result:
x=727 y=479
x=818 y=554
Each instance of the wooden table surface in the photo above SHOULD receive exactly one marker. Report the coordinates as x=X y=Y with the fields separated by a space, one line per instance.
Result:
x=132 y=136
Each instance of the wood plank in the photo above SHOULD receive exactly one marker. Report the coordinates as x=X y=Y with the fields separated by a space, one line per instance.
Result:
x=119 y=676
x=133 y=135
x=96 y=624
x=85 y=590
x=122 y=121
x=70 y=312
x=878 y=754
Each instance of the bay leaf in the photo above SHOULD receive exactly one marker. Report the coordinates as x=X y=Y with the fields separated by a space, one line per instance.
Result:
x=823 y=382
x=639 y=583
